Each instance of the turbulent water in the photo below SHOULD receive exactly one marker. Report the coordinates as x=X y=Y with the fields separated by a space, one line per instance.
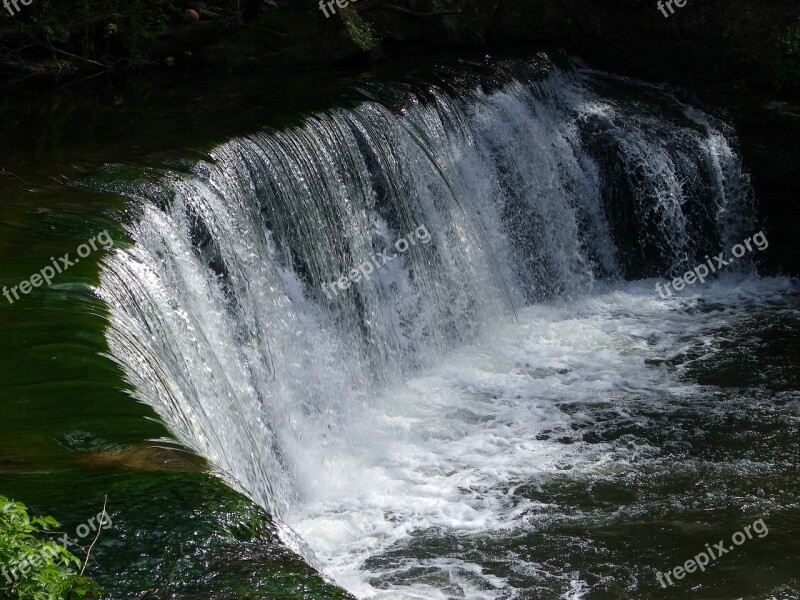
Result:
x=416 y=431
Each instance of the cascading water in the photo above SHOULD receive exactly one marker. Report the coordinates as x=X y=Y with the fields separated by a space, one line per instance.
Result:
x=411 y=406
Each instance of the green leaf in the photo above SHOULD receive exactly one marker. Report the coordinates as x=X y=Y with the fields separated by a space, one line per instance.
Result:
x=51 y=576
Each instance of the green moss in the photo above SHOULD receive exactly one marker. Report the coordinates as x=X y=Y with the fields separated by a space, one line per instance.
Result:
x=361 y=32
x=787 y=68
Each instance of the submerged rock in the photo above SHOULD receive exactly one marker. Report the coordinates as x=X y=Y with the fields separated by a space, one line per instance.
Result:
x=144 y=458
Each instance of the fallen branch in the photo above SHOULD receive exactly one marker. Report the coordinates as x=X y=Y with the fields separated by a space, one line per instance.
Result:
x=413 y=13
x=31 y=188
x=88 y=60
x=99 y=529
x=172 y=573
x=278 y=33
x=89 y=552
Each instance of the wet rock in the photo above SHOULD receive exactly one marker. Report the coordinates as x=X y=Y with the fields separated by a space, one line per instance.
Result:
x=144 y=458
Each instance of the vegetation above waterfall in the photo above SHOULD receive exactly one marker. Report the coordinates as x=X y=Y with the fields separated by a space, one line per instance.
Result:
x=757 y=44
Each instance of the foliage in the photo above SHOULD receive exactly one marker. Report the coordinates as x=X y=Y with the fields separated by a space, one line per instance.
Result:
x=359 y=30
x=97 y=28
x=51 y=574
x=788 y=63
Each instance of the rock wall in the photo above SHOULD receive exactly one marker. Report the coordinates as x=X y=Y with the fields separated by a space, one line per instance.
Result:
x=722 y=50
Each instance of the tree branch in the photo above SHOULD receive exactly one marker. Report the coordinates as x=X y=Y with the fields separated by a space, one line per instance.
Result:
x=88 y=60
x=99 y=529
x=413 y=13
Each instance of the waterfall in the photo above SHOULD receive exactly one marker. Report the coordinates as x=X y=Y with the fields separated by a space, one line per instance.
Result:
x=536 y=184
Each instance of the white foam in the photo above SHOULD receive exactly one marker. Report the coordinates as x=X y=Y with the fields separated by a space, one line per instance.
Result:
x=442 y=451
